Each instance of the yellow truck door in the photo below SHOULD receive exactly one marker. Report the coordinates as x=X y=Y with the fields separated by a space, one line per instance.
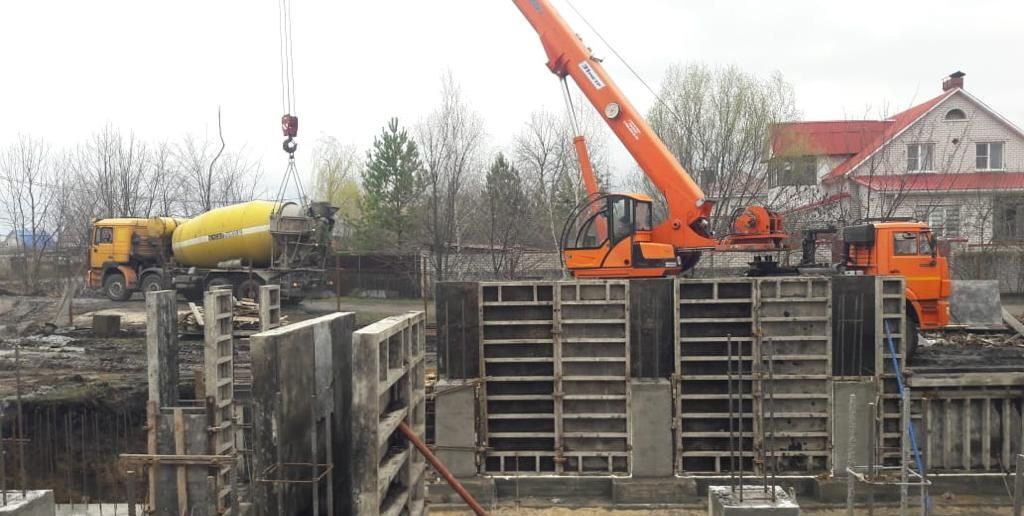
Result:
x=102 y=246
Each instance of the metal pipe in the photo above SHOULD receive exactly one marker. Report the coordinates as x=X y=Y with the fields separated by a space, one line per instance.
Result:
x=441 y=469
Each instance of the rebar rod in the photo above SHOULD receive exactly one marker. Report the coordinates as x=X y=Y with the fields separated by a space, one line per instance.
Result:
x=771 y=414
x=739 y=390
x=732 y=437
x=851 y=455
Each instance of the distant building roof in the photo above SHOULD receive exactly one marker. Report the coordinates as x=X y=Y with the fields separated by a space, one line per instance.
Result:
x=832 y=138
x=944 y=182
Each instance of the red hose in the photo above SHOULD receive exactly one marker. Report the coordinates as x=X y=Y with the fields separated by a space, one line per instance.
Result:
x=432 y=459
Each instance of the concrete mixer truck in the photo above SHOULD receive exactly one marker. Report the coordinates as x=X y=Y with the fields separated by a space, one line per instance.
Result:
x=242 y=246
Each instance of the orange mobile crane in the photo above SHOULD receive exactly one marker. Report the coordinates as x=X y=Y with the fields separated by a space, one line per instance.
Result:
x=613 y=235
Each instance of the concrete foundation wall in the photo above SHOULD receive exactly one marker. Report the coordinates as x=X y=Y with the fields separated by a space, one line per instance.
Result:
x=561 y=390
x=35 y=503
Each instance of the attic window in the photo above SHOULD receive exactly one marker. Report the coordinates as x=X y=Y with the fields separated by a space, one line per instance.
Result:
x=956 y=114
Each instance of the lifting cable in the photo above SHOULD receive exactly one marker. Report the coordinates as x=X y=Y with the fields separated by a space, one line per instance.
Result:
x=628 y=66
x=289 y=121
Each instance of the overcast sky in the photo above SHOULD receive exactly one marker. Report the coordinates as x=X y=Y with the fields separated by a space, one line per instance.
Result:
x=161 y=68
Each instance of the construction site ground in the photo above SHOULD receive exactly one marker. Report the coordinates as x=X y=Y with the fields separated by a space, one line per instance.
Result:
x=73 y=364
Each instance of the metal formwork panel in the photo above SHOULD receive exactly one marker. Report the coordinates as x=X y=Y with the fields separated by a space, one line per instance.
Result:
x=517 y=363
x=554 y=357
x=391 y=479
x=793 y=373
x=715 y=319
x=219 y=379
x=592 y=387
x=965 y=426
x=890 y=323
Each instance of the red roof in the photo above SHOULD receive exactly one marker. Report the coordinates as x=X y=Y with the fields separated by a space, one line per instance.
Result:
x=944 y=182
x=841 y=137
x=896 y=125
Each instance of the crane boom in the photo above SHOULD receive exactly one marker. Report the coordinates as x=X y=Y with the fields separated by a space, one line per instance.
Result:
x=686 y=226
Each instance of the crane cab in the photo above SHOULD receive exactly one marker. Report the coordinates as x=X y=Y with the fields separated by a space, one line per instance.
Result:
x=609 y=236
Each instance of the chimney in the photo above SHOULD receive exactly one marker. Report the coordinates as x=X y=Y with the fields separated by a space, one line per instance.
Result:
x=955 y=80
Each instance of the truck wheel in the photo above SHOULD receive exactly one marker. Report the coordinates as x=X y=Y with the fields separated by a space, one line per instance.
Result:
x=217 y=282
x=116 y=288
x=151 y=282
x=248 y=289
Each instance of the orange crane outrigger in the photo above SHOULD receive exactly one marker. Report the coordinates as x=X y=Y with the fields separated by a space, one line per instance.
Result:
x=613 y=235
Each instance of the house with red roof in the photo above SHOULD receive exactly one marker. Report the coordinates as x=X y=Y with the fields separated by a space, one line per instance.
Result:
x=951 y=161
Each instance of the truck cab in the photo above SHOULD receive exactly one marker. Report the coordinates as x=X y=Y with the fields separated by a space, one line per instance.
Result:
x=908 y=249
x=118 y=251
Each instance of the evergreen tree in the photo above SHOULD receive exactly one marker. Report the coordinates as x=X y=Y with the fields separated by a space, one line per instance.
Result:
x=507 y=205
x=389 y=184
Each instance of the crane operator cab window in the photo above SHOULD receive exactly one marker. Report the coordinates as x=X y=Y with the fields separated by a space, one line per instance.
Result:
x=629 y=216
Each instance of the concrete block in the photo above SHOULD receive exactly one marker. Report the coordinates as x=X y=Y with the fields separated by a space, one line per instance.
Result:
x=723 y=501
x=651 y=415
x=289 y=365
x=455 y=426
x=106 y=326
x=865 y=392
x=975 y=303
x=671 y=490
x=35 y=503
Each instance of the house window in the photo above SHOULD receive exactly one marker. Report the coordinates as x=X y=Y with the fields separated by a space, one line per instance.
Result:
x=956 y=114
x=1009 y=221
x=920 y=157
x=990 y=156
x=794 y=171
x=944 y=220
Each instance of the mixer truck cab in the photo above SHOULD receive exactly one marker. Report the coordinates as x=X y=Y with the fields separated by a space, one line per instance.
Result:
x=242 y=246
x=908 y=249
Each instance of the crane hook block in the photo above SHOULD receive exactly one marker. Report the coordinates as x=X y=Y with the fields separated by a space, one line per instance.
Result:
x=290 y=126
x=289 y=145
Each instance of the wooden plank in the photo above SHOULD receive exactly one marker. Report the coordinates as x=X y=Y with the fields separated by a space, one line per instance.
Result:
x=179 y=449
x=966 y=379
x=1013 y=322
x=947 y=435
x=196 y=313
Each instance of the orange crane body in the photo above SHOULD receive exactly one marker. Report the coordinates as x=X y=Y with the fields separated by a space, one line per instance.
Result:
x=642 y=250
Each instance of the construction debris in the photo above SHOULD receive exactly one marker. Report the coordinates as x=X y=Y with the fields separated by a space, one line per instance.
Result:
x=246 y=317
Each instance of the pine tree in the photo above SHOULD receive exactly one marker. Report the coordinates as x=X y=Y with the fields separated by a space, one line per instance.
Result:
x=507 y=205
x=389 y=184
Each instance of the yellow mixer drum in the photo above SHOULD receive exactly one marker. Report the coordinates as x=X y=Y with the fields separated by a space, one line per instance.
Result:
x=237 y=232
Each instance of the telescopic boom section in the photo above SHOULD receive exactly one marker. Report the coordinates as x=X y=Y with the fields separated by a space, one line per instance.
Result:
x=686 y=226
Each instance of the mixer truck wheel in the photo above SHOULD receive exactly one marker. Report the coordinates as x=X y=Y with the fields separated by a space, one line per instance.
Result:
x=116 y=288
x=248 y=289
x=151 y=283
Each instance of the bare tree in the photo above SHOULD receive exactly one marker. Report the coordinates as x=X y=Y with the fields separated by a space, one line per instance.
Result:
x=212 y=177
x=450 y=142
x=716 y=121
x=32 y=194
